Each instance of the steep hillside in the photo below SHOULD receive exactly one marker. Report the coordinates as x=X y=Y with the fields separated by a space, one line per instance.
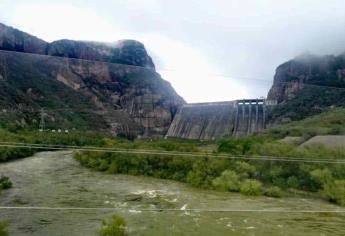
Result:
x=124 y=100
x=308 y=85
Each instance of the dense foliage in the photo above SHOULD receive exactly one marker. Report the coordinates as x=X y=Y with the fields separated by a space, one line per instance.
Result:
x=8 y=153
x=251 y=177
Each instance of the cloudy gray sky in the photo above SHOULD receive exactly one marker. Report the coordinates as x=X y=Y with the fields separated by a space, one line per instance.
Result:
x=209 y=50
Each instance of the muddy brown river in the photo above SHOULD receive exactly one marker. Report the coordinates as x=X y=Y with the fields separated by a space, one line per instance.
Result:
x=75 y=200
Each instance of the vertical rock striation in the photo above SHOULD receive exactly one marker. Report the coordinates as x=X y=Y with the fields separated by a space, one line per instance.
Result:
x=109 y=87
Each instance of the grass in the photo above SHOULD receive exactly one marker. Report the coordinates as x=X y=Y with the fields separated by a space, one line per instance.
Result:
x=329 y=122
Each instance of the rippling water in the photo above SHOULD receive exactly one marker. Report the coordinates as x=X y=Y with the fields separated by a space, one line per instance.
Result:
x=55 y=179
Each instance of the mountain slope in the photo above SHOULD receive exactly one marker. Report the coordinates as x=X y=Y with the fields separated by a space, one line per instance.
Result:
x=308 y=85
x=94 y=94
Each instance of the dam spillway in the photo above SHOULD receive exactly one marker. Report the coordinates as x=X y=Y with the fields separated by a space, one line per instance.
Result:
x=215 y=120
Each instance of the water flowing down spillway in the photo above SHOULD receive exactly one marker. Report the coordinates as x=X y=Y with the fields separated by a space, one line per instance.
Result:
x=56 y=180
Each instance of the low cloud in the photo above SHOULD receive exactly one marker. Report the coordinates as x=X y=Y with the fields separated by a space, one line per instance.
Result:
x=243 y=40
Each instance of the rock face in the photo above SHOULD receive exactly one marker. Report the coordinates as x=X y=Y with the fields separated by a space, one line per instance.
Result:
x=306 y=70
x=94 y=93
x=129 y=52
x=15 y=40
x=306 y=86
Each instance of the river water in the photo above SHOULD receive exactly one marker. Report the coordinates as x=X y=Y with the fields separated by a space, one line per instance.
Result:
x=55 y=179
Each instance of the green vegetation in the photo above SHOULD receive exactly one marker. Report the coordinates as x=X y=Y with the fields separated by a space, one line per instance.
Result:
x=115 y=226
x=251 y=187
x=329 y=122
x=3 y=228
x=274 y=191
x=333 y=190
x=251 y=176
x=310 y=101
x=5 y=182
x=76 y=138
x=247 y=176
x=73 y=139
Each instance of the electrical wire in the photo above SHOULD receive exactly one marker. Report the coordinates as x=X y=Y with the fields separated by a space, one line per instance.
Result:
x=167 y=153
x=168 y=209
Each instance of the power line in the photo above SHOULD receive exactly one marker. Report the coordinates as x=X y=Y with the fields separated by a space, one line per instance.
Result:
x=166 y=153
x=95 y=111
x=268 y=80
x=128 y=65
x=168 y=209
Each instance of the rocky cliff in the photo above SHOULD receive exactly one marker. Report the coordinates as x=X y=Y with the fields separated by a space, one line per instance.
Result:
x=129 y=52
x=81 y=85
x=15 y=40
x=307 y=85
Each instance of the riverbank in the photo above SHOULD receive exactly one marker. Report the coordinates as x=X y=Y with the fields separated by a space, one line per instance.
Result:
x=258 y=176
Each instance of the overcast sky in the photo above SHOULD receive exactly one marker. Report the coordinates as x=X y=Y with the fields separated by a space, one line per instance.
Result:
x=211 y=50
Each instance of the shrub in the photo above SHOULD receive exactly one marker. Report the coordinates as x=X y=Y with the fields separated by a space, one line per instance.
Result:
x=274 y=192
x=228 y=181
x=251 y=187
x=293 y=182
x=116 y=226
x=239 y=146
x=244 y=169
x=280 y=182
x=3 y=228
x=5 y=182
x=199 y=176
x=322 y=176
x=335 y=191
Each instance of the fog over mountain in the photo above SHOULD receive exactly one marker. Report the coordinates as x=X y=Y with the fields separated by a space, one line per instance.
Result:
x=209 y=50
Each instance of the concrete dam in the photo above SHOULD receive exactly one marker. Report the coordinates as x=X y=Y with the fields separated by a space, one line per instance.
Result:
x=210 y=121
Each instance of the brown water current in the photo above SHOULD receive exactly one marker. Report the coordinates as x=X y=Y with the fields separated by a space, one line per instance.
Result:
x=56 y=180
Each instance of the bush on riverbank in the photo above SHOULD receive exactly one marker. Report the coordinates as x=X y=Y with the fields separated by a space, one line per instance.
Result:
x=76 y=138
x=3 y=228
x=5 y=182
x=332 y=189
x=271 y=177
x=11 y=153
x=72 y=139
x=251 y=187
x=115 y=226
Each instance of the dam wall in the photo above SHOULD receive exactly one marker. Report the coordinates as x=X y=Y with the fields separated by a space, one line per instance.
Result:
x=215 y=120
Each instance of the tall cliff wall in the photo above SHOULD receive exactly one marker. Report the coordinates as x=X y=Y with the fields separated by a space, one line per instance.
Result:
x=129 y=52
x=307 y=85
x=84 y=85
x=208 y=121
